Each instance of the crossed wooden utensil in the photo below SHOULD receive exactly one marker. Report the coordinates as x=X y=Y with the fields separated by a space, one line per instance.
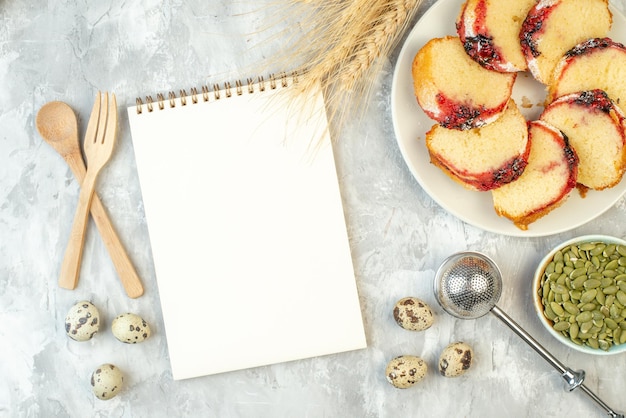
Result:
x=57 y=125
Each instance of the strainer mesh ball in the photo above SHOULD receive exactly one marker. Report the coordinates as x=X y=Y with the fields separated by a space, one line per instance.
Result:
x=468 y=285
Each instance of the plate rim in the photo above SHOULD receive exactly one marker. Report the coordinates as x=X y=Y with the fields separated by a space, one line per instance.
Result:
x=507 y=227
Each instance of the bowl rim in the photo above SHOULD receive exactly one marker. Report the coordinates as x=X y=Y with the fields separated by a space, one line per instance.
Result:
x=616 y=349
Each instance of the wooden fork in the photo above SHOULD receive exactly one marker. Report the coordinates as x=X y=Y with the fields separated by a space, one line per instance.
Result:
x=98 y=146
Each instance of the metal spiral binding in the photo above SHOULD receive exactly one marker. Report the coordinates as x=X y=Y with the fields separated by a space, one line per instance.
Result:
x=215 y=92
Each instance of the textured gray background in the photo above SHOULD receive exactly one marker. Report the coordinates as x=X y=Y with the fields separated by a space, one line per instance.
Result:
x=67 y=51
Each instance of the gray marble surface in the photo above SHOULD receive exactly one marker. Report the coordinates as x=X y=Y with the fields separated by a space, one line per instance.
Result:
x=67 y=51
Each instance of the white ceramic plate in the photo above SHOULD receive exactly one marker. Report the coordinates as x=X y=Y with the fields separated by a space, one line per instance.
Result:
x=476 y=208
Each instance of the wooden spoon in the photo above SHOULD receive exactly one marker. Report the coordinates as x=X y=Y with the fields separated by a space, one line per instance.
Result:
x=57 y=125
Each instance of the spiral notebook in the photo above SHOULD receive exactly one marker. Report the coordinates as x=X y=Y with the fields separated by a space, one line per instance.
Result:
x=246 y=226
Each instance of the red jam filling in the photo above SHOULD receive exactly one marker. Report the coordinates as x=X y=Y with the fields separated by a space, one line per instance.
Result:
x=463 y=116
x=572 y=164
x=594 y=43
x=480 y=47
x=533 y=25
x=594 y=99
x=491 y=180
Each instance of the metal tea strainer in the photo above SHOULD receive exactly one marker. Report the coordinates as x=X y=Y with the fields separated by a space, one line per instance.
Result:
x=469 y=284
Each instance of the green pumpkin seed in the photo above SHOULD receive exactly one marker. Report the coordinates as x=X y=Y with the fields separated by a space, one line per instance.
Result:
x=585 y=316
x=595 y=261
x=587 y=246
x=621 y=297
x=557 y=309
x=578 y=282
x=592 y=284
x=605 y=311
x=598 y=249
x=559 y=289
x=588 y=296
x=561 y=326
x=610 y=290
x=549 y=313
x=558 y=267
x=615 y=312
x=606 y=282
x=585 y=327
x=610 y=299
x=588 y=307
x=570 y=308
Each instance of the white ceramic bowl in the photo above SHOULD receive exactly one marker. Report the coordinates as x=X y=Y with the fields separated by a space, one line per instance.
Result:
x=539 y=309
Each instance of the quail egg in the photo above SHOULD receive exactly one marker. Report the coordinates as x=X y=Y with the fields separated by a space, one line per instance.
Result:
x=82 y=321
x=106 y=381
x=405 y=371
x=130 y=328
x=455 y=359
x=413 y=314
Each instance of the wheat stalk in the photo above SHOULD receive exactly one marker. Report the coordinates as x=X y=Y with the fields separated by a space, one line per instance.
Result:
x=343 y=45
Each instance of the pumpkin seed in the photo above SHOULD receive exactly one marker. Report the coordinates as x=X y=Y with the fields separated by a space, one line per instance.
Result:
x=588 y=296
x=577 y=272
x=557 y=309
x=585 y=327
x=585 y=316
x=588 y=246
x=578 y=282
x=597 y=249
x=570 y=307
x=561 y=326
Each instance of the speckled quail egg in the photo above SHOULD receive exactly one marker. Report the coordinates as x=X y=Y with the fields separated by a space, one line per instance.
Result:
x=413 y=314
x=107 y=381
x=455 y=359
x=82 y=321
x=405 y=371
x=130 y=328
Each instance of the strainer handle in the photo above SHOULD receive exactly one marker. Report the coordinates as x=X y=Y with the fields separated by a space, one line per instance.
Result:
x=574 y=379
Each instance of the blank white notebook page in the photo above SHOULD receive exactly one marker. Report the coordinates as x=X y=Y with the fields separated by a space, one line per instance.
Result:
x=247 y=231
